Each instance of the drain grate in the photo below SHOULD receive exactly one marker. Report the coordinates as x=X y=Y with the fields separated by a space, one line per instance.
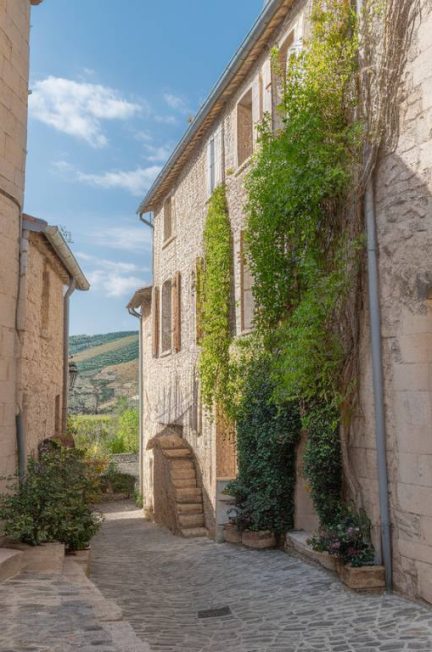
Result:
x=214 y=613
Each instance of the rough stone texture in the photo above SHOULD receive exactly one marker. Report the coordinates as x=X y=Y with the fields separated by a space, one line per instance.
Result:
x=61 y=614
x=277 y=602
x=170 y=387
x=14 y=34
x=404 y=229
x=41 y=377
x=127 y=463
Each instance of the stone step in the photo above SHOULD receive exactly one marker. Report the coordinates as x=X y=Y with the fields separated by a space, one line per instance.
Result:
x=10 y=563
x=181 y=464
x=189 y=508
x=190 y=533
x=183 y=473
x=193 y=495
x=177 y=453
x=191 y=520
x=184 y=483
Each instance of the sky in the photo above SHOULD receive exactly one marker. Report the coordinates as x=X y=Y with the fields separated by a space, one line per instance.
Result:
x=113 y=84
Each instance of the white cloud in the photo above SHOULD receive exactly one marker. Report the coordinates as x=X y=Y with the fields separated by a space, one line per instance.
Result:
x=112 y=278
x=112 y=284
x=157 y=154
x=176 y=103
x=79 y=108
x=136 y=182
x=166 y=119
x=125 y=238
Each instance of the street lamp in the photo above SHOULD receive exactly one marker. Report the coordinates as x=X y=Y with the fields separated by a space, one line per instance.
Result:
x=73 y=373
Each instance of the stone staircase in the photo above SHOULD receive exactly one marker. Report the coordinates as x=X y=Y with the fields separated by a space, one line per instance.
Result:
x=185 y=490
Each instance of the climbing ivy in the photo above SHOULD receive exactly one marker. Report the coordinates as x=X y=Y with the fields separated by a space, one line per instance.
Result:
x=214 y=299
x=303 y=250
x=266 y=438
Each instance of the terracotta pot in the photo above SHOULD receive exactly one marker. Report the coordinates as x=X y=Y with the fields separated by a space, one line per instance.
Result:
x=363 y=578
x=232 y=533
x=258 y=540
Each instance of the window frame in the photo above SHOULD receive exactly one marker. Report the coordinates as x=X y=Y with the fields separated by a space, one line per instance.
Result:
x=245 y=102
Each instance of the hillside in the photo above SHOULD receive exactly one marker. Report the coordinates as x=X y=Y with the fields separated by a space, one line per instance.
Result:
x=108 y=368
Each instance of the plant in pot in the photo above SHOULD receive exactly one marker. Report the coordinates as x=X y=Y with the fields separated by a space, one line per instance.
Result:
x=52 y=502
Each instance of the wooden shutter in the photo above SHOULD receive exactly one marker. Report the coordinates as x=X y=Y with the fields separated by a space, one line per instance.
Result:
x=199 y=299
x=267 y=87
x=155 y=322
x=176 y=312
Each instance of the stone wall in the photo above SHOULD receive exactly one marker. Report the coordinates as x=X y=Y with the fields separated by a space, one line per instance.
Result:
x=170 y=382
x=14 y=36
x=42 y=344
x=404 y=224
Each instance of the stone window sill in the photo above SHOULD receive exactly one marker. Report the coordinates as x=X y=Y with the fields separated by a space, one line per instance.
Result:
x=165 y=354
x=241 y=168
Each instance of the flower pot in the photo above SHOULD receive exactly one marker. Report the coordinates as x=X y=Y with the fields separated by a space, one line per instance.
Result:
x=83 y=558
x=232 y=533
x=363 y=578
x=258 y=540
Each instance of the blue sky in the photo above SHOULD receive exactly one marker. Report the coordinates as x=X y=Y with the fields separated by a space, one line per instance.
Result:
x=113 y=84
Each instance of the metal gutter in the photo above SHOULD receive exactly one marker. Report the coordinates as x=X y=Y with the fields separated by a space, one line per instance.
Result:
x=222 y=84
x=60 y=246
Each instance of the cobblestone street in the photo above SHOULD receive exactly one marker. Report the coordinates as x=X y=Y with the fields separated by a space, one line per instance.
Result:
x=268 y=601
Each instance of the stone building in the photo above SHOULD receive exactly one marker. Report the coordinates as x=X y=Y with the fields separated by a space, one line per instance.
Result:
x=217 y=148
x=22 y=348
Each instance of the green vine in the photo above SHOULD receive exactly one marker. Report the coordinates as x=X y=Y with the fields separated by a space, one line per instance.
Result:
x=215 y=294
x=266 y=438
x=303 y=249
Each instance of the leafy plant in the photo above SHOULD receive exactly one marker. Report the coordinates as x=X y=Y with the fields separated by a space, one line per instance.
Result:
x=266 y=438
x=348 y=540
x=215 y=302
x=52 y=502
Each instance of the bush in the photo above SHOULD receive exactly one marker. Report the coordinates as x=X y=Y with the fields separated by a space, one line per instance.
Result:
x=266 y=439
x=102 y=436
x=118 y=483
x=52 y=502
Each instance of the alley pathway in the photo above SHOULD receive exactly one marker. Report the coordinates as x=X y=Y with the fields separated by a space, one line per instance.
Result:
x=195 y=595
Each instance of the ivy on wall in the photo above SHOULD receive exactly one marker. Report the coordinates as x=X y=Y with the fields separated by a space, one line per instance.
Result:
x=214 y=298
x=266 y=439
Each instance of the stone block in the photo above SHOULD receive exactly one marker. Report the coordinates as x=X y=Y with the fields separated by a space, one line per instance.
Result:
x=414 y=499
x=258 y=540
x=415 y=469
x=416 y=349
x=415 y=550
x=363 y=578
x=424 y=580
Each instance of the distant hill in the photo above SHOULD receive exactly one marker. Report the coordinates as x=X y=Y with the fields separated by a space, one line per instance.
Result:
x=108 y=368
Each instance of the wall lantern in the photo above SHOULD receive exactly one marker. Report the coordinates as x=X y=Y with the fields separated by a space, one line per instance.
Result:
x=73 y=373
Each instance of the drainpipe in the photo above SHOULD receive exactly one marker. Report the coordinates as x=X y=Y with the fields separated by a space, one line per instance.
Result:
x=20 y=327
x=377 y=369
x=66 y=300
x=138 y=315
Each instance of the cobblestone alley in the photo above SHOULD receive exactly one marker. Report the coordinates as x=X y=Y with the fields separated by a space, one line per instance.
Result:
x=262 y=601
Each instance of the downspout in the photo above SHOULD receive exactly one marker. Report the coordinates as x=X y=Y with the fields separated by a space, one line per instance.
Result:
x=20 y=328
x=135 y=313
x=377 y=369
x=66 y=311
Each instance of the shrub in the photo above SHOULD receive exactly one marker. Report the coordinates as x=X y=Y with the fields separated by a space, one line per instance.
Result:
x=266 y=439
x=52 y=502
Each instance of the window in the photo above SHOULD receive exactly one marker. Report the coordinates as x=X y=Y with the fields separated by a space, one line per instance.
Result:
x=289 y=47
x=155 y=321
x=247 y=303
x=168 y=221
x=244 y=128
x=166 y=317
x=214 y=160
x=176 y=312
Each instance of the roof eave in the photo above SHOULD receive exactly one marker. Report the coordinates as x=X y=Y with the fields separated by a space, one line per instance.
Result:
x=216 y=95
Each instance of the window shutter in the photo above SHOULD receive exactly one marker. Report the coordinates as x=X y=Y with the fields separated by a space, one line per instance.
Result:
x=199 y=299
x=210 y=167
x=256 y=100
x=218 y=148
x=267 y=87
x=176 y=314
x=155 y=322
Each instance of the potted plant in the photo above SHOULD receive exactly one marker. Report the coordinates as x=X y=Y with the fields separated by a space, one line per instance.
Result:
x=232 y=534
x=49 y=509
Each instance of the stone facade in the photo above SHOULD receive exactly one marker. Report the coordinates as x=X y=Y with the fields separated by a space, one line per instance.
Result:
x=404 y=227
x=14 y=49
